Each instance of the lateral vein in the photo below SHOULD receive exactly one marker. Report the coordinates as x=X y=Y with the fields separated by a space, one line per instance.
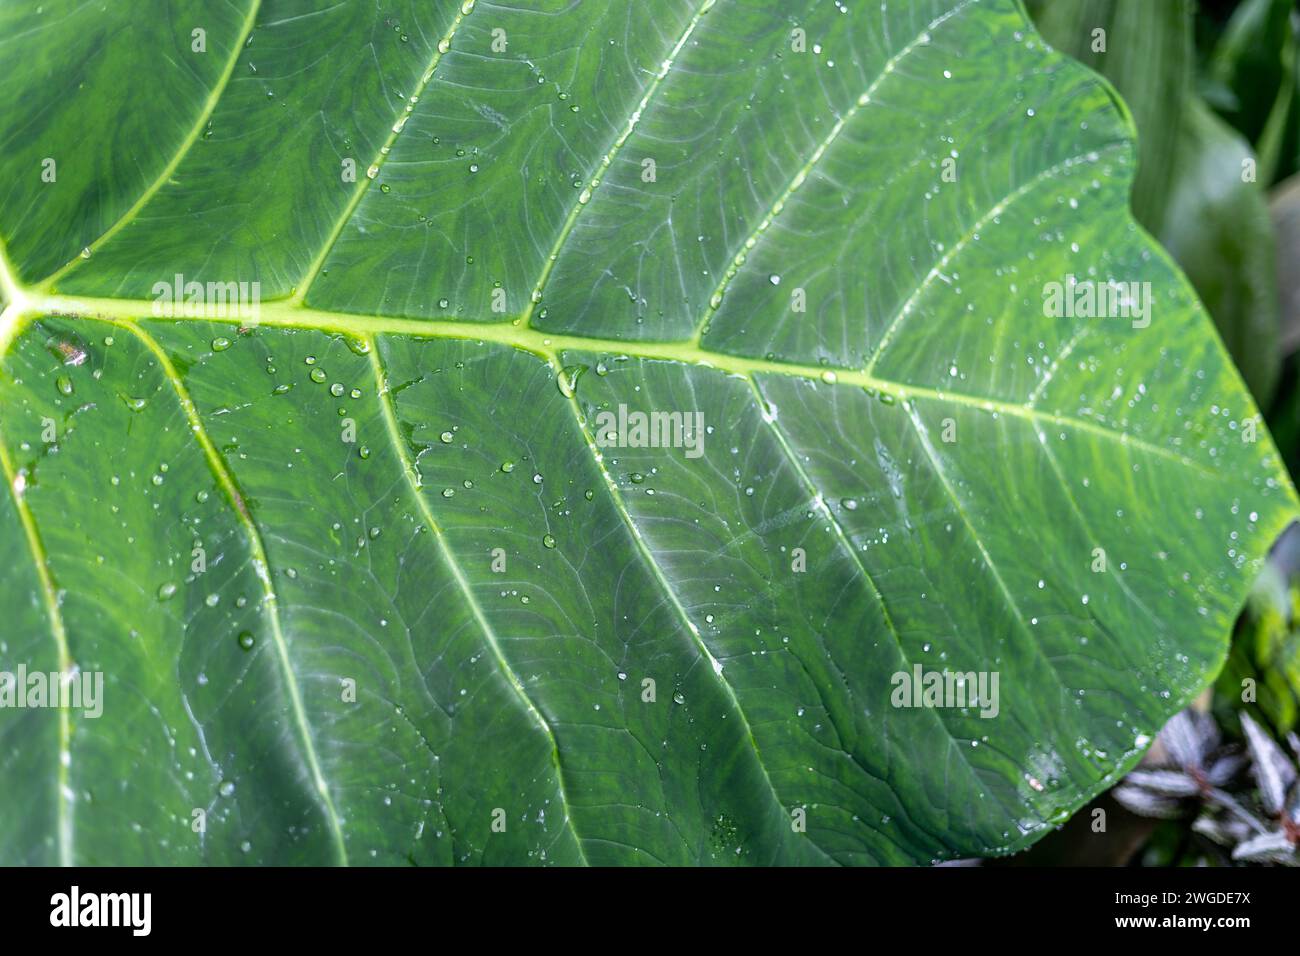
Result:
x=801 y=176
x=261 y=567
x=608 y=159
x=49 y=595
x=444 y=549
x=191 y=138
x=363 y=184
x=652 y=565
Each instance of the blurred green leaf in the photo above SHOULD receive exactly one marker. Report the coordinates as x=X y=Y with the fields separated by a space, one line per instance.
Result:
x=1253 y=70
x=1217 y=226
x=1266 y=644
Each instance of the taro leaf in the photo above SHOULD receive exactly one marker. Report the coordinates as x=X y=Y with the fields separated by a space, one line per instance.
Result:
x=686 y=657
x=1219 y=230
x=1146 y=50
x=1254 y=63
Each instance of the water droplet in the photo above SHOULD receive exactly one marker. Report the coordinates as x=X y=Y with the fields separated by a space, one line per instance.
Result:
x=63 y=384
x=447 y=438
x=318 y=375
x=220 y=344
x=507 y=466
x=364 y=451
x=567 y=380
x=548 y=541
x=166 y=591
x=246 y=640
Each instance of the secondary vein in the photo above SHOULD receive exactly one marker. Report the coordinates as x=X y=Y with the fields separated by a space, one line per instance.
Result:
x=49 y=595
x=205 y=114
x=262 y=568
x=412 y=477
x=801 y=176
x=399 y=123
x=666 y=587
x=607 y=160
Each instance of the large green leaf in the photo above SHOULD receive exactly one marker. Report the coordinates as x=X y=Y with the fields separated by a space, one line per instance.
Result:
x=518 y=177
x=1190 y=189
x=1219 y=230
x=1145 y=48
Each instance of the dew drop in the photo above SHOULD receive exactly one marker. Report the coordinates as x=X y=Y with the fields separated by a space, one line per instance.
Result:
x=568 y=379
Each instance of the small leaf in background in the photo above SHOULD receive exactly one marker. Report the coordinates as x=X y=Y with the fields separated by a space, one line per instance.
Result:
x=1251 y=81
x=1272 y=770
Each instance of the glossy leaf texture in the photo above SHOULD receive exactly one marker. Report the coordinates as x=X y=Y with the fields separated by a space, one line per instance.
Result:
x=362 y=581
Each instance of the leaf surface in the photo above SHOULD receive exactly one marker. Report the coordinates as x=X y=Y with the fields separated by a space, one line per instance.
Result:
x=686 y=658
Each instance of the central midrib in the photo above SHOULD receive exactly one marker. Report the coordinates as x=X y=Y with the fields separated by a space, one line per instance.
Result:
x=283 y=313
